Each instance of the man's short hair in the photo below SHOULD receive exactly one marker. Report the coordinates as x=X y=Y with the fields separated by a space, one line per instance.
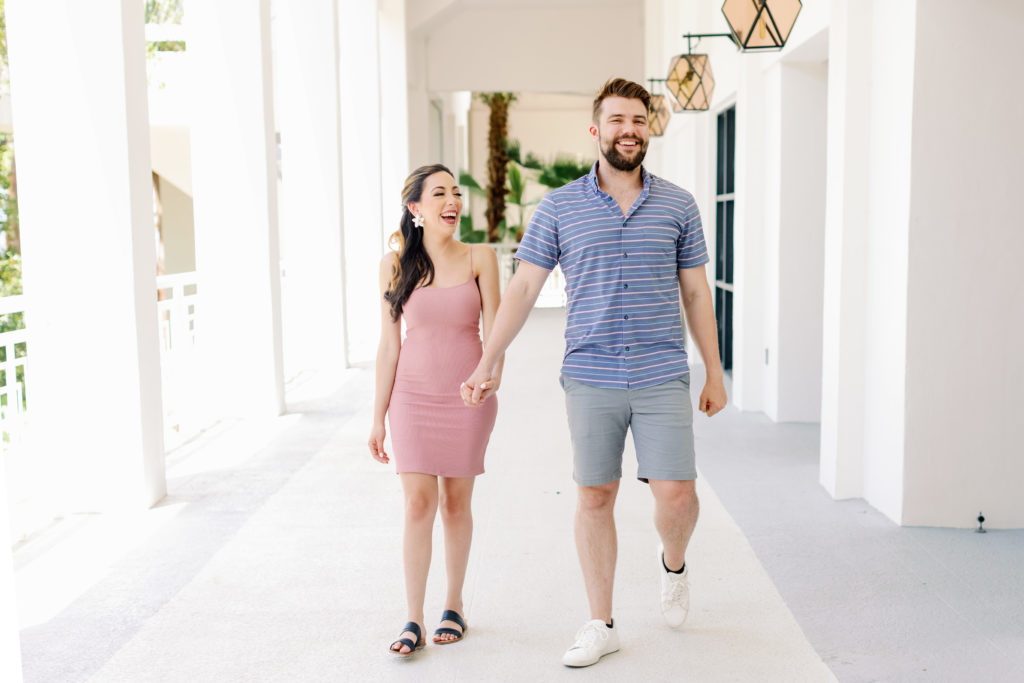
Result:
x=620 y=87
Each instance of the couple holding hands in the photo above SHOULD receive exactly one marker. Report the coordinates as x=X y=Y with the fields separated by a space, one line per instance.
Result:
x=628 y=244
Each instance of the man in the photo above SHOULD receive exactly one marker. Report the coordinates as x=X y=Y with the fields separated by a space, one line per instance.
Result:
x=627 y=242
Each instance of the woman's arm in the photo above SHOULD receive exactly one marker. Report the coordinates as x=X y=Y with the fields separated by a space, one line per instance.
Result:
x=387 y=362
x=490 y=297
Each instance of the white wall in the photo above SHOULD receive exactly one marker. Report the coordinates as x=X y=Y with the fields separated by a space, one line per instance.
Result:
x=170 y=154
x=964 y=369
x=178 y=229
x=794 y=358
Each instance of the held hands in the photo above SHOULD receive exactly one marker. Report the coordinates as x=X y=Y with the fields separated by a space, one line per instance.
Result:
x=479 y=387
x=712 y=397
x=376 y=444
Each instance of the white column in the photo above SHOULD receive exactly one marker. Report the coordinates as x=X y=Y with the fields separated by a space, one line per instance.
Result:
x=845 y=276
x=965 y=310
x=365 y=233
x=885 y=347
x=234 y=181
x=309 y=118
x=10 y=641
x=88 y=249
x=748 y=265
x=394 y=111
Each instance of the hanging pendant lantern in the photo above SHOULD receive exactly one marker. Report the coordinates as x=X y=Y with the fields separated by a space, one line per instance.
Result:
x=690 y=82
x=659 y=116
x=761 y=24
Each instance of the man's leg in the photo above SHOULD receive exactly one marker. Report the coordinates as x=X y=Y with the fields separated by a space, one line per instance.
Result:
x=597 y=546
x=598 y=420
x=675 y=515
x=662 y=424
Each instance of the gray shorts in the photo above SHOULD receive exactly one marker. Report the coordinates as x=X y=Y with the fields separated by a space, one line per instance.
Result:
x=660 y=417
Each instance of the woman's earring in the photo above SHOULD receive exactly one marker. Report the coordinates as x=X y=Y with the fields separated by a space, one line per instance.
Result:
x=417 y=221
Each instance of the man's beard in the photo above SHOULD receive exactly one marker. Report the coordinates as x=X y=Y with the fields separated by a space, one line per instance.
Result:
x=611 y=153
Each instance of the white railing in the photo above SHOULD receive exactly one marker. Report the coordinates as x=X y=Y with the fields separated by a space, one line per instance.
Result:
x=13 y=357
x=177 y=301
x=177 y=296
x=553 y=293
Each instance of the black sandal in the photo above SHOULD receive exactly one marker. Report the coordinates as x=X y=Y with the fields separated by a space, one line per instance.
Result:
x=414 y=647
x=451 y=615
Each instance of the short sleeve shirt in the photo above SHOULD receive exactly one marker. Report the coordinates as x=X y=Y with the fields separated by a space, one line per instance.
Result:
x=624 y=326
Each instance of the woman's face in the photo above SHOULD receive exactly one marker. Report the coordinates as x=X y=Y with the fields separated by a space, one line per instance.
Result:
x=440 y=205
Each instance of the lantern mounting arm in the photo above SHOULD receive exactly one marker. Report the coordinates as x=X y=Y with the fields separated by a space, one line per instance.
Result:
x=690 y=36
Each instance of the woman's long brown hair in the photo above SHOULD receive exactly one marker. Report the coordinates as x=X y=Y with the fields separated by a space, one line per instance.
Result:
x=413 y=267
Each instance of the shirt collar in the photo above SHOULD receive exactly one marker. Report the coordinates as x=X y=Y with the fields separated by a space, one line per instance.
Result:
x=593 y=184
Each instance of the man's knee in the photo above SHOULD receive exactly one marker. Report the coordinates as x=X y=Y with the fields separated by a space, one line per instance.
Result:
x=678 y=496
x=599 y=498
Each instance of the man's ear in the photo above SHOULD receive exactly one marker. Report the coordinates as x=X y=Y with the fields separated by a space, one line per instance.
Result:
x=593 y=130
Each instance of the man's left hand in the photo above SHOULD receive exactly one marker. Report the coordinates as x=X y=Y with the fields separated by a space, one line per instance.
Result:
x=712 y=398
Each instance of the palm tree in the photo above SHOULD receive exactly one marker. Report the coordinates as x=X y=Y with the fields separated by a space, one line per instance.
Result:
x=497 y=159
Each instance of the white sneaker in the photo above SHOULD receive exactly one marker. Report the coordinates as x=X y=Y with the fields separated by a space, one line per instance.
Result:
x=593 y=641
x=675 y=593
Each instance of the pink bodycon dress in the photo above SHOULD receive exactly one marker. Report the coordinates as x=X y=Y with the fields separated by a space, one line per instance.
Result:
x=432 y=430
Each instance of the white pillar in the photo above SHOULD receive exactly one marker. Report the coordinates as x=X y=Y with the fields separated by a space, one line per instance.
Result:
x=846 y=212
x=365 y=233
x=234 y=181
x=10 y=641
x=88 y=249
x=748 y=267
x=309 y=118
x=965 y=310
x=394 y=112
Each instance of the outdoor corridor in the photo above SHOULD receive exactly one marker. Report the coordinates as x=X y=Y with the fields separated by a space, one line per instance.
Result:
x=277 y=557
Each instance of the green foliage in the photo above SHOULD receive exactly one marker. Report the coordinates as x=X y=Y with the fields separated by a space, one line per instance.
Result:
x=556 y=174
x=472 y=184
x=467 y=233
x=563 y=170
x=10 y=257
x=164 y=11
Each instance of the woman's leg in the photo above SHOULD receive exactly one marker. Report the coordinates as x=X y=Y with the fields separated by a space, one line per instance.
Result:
x=420 y=509
x=456 y=497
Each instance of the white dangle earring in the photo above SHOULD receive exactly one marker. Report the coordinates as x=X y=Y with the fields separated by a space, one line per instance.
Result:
x=417 y=221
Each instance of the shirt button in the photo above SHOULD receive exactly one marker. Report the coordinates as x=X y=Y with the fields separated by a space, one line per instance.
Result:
x=625 y=285
x=627 y=348
x=625 y=317
x=625 y=254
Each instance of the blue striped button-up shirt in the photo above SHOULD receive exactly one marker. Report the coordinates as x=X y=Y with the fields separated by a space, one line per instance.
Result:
x=624 y=328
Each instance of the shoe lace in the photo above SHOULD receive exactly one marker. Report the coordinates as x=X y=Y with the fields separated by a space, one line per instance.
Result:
x=676 y=590
x=589 y=634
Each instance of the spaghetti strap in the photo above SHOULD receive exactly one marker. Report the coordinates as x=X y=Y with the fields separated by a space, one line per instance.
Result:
x=472 y=275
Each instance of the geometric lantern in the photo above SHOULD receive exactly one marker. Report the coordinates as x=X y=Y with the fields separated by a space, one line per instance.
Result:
x=659 y=116
x=691 y=82
x=761 y=24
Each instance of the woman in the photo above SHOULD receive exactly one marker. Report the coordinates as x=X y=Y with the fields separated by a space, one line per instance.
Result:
x=439 y=286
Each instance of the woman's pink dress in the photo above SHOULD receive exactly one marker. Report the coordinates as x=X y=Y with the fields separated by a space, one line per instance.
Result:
x=432 y=430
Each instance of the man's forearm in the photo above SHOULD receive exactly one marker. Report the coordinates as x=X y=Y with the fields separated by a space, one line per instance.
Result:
x=700 y=319
x=515 y=308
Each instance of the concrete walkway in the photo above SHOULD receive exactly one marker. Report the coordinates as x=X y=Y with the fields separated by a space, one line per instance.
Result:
x=276 y=557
